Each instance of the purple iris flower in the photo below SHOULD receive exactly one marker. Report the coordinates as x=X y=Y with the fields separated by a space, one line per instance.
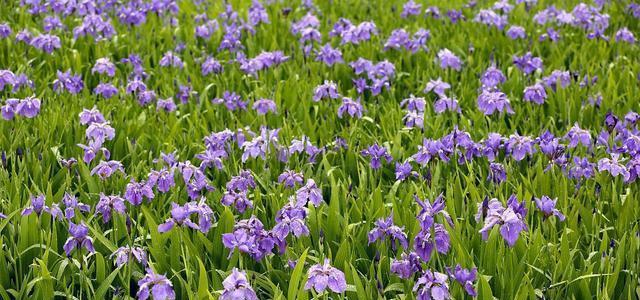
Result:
x=163 y=179
x=9 y=108
x=104 y=66
x=38 y=207
x=237 y=199
x=137 y=191
x=407 y=265
x=516 y=32
x=581 y=168
x=413 y=103
x=109 y=204
x=519 y=146
x=180 y=215
x=548 y=207
x=106 y=90
x=290 y=178
x=46 y=43
x=322 y=276
x=309 y=193
x=465 y=277
x=290 y=219
x=511 y=219
x=232 y=101
x=105 y=169
x=167 y=105
x=71 y=204
x=249 y=236
x=237 y=287
x=263 y=106
x=528 y=63
x=124 y=254
x=411 y=8
x=66 y=81
x=79 y=239
x=625 y=35
x=497 y=173
x=614 y=166
x=577 y=135
x=94 y=148
x=211 y=66
x=155 y=285
x=432 y=285
x=429 y=238
x=350 y=107
x=377 y=154
x=437 y=86
x=490 y=102
x=329 y=55
x=171 y=60
x=431 y=149
x=535 y=93
x=447 y=59
x=28 y=107
x=404 y=170
x=89 y=116
x=327 y=90
x=385 y=228
x=492 y=77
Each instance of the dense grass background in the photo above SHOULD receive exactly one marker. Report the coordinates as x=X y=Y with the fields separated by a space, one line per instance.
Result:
x=594 y=254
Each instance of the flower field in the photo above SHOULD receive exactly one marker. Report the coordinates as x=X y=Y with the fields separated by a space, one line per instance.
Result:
x=276 y=149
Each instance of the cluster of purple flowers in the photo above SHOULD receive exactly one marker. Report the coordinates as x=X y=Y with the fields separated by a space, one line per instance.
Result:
x=28 y=107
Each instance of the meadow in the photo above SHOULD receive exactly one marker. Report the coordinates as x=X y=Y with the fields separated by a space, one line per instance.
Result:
x=328 y=149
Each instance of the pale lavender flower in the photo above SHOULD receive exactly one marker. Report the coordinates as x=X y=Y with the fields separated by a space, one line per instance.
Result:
x=171 y=60
x=106 y=90
x=105 y=169
x=437 y=86
x=444 y=104
x=327 y=90
x=432 y=285
x=124 y=254
x=237 y=199
x=322 y=276
x=625 y=35
x=71 y=204
x=577 y=136
x=350 y=107
x=89 y=116
x=167 y=105
x=404 y=170
x=290 y=178
x=510 y=219
x=427 y=239
x=290 y=219
x=28 y=107
x=155 y=285
x=407 y=265
x=237 y=287
x=497 y=173
x=104 y=66
x=447 y=59
x=211 y=66
x=519 y=146
x=614 y=166
x=411 y=8
x=309 y=193
x=490 y=102
x=46 y=43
